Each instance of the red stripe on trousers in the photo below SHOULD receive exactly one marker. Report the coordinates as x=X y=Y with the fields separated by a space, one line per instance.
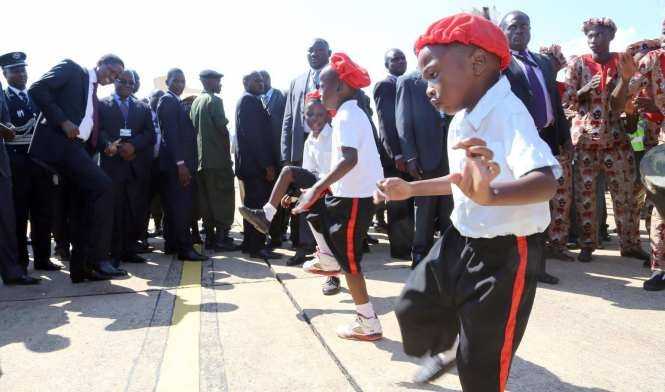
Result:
x=509 y=335
x=350 y=229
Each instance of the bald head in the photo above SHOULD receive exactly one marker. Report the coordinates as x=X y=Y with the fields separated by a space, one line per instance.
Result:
x=516 y=25
x=395 y=62
x=318 y=53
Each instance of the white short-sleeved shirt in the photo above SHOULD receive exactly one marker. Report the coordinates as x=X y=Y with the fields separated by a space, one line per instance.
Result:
x=317 y=151
x=505 y=124
x=351 y=128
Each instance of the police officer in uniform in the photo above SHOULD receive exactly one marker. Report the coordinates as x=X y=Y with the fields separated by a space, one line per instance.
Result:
x=32 y=183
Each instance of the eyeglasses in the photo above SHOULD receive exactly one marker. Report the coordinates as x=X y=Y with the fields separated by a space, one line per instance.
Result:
x=124 y=82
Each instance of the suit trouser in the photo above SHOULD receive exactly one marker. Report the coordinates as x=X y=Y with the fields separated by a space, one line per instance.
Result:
x=480 y=289
x=257 y=193
x=33 y=190
x=431 y=212
x=91 y=217
x=153 y=202
x=618 y=165
x=9 y=267
x=61 y=206
x=127 y=214
x=178 y=202
x=216 y=199
x=400 y=221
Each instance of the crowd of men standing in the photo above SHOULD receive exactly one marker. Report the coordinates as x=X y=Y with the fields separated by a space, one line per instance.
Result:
x=90 y=173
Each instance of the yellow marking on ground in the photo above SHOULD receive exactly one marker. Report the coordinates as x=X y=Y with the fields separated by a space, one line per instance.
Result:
x=180 y=367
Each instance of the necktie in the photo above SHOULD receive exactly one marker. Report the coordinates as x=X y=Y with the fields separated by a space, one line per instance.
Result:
x=539 y=108
x=264 y=100
x=95 y=118
x=124 y=108
x=23 y=97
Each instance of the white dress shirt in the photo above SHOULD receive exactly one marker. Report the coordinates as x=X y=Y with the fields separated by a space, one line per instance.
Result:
x=541 y=79
x=351 y=128
x=505 y=124
x=317 y=151
x=85 y=127
x=158 y=134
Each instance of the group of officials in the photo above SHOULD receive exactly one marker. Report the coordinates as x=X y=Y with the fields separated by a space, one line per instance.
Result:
x=89 y=171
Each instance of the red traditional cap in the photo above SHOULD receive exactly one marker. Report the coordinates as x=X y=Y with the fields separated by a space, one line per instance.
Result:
x=348 y=71
x=313 y=96
x=467 y=29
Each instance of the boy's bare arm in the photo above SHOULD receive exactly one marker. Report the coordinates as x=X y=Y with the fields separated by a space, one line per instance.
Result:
x=349 y=160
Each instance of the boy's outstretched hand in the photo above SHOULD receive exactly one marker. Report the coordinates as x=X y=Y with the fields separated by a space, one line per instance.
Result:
x=392 y=189
x=478 y=172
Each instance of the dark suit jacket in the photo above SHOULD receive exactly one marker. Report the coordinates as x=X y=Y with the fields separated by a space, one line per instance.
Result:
x=421 y=128
x=61 y=94
x=139 y=120
x=293 y=134
x=178 y=135
x=385 y=93
x=5 y=169
x=557 y=134
x=275 y=109
x=254 y=152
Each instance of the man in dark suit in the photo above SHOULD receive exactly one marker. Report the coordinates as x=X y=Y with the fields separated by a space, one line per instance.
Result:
x=10 y=270
x=155 y=188
x=533 y=81
x=126 y=135
x=66 y=135
x=274 y=101
x=400 y=213
x=178 y=158
x=254 y=159
x=422 y=131
x=32 y=183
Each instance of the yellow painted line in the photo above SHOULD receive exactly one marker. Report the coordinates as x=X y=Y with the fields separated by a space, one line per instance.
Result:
x=180 y=367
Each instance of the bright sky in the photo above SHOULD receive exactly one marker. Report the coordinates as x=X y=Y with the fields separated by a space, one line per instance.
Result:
x=235 y=37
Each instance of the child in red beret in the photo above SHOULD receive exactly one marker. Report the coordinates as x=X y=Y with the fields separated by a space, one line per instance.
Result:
x=469 y=300
x=343 y=215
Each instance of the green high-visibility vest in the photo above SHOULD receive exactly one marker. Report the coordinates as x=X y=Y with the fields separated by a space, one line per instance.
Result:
x=637 y=137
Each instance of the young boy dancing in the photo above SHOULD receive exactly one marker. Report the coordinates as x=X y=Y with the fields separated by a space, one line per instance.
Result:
x=316 y=164
x=343 y=215
x=477 y=285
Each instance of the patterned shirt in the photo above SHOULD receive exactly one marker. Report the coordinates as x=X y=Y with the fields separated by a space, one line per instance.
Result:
x=650 y=81
x=595 y=124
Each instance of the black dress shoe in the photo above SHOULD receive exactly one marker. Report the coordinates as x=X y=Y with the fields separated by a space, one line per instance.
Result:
x=299 y=258
x=585 y=255
x=265 y=255
x=23 y=280
x=256 y=217
x=191 y=255
x=656 y=282
x=93 y=276
x=106 y=268
x=637 y=253
x=226 y=247
x=547 y=278
x=47 y=266
x=371 y=240
x=330 y=286
x=143 y=247
x=134 y=259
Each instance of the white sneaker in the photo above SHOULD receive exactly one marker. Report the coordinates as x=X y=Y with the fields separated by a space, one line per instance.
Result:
x=322 y=264
x=362 y=328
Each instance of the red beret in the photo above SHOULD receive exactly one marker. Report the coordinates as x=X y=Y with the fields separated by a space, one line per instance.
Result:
x=313 y=96
x=348 y=71
x=467 y=29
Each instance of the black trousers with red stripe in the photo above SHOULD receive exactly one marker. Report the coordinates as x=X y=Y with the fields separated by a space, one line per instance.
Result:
x=343 y=222
x=479 y=289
